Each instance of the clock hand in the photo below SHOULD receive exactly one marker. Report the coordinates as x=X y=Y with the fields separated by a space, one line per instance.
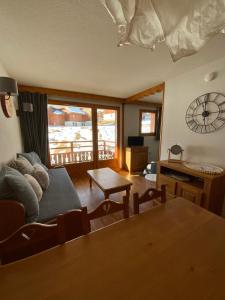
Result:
x=204 y=107
x=206 y=101
x=213 y=112
x=204 y=120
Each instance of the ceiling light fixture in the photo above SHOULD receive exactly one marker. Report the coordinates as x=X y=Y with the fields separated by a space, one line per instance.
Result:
x=185 y=29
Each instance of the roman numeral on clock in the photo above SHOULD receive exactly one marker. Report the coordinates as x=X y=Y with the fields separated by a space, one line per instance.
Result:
x=198 y=101
x=221 y=119
x=193 y=125
x=222 y=103
x=205 y=130
x=189 y=115
x=217 y=96
x=191 y=122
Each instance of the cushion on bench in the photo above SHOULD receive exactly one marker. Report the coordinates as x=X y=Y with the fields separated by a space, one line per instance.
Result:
x=59 y=197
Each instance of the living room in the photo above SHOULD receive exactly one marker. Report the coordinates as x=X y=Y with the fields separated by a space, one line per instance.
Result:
x=111 y=119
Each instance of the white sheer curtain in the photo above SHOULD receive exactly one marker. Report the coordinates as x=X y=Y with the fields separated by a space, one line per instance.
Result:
x=184 y=25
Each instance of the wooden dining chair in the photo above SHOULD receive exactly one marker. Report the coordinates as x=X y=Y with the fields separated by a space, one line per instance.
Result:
x=149 y=195
x=30 y=239
x=105 y=208
x=35 y=237
x=12 y=217
x=75 y=223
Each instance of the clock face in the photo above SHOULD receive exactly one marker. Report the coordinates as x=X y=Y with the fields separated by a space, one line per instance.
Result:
x=206 y=113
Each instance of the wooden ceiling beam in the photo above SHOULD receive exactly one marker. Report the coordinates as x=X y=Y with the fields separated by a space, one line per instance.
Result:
x=151 y=91
x=68 y=94
x=86 y=96
x=144 y=103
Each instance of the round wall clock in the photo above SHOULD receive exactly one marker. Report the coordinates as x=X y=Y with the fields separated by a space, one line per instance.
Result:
x=206 y=113
x=7 y=106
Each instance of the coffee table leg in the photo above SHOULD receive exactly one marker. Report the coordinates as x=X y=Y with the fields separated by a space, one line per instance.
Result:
x=128 y=192
x=90 y=181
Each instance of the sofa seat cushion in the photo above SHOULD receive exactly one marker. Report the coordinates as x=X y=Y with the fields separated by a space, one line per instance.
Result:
x=59 y=197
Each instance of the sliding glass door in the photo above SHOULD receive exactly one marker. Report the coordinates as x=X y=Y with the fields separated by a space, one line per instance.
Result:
x=83 y=134
x=107 y=133
x=70 y=134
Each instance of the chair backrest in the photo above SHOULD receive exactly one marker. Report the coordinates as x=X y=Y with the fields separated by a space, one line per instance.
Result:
x=75 y=223
x=108 y=207
x=149 y=195
x=12 y=217
x=31 y=239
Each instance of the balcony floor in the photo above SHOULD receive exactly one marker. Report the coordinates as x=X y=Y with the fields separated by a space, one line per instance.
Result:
x=92 y=197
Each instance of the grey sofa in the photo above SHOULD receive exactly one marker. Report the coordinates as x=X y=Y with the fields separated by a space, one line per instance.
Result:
x=60 y=196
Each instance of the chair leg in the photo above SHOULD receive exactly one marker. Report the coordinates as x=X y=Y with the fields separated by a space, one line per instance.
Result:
x=86 y=221
x=163 y=189
x=126 y=207
x=136 y=203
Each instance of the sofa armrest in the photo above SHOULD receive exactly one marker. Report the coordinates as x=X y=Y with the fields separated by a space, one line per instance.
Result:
x=12 y=217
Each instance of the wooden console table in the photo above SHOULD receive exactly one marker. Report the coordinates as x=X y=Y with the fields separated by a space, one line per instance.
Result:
x=203 y=189
x=136 y=159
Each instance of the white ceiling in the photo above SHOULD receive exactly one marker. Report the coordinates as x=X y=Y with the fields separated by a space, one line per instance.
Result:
x=71 y=44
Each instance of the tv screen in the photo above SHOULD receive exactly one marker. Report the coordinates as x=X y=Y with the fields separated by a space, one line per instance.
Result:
x=135 y=141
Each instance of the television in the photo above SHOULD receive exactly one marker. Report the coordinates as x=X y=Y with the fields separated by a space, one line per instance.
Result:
x=135 y=141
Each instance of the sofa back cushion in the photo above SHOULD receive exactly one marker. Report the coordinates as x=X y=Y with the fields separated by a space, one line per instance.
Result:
x=33 y=158
x=35 y=185
x=5 y=190
x=41 y=175
x=22 y=165
x=21 y=191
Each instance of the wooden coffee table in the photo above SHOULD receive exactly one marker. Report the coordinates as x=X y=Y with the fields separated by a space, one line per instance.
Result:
x=109 y=181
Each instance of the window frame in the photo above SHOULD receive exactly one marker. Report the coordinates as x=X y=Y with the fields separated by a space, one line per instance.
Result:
x=140 y=121
x=94 y=108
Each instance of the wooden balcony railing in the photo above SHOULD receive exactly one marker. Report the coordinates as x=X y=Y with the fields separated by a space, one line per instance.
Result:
x=65 y=152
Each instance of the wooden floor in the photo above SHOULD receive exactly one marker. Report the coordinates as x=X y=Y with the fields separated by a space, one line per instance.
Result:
x=92 y=197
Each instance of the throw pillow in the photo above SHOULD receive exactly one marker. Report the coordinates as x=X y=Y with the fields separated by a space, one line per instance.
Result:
x=5 y=190
x=33 y=158
x=22 y=165
x=41 y=176
x=35 y=186
x=23 y=193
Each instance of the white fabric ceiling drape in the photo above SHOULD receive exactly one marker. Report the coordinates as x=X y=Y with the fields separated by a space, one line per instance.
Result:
x=184 y=25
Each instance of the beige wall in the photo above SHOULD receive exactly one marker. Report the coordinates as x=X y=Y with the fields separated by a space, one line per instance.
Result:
x=131 y=128
x=10 y=138
x=179 y=93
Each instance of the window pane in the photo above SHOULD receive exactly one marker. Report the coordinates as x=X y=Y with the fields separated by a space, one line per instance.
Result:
x=70 y=134
x=107 y=125
x=147 y=122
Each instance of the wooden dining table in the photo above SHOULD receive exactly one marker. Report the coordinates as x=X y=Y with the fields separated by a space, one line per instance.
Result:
x=173 y=251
